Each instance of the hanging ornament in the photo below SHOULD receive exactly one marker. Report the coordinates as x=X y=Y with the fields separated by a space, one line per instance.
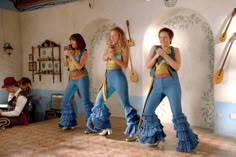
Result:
x=170 y=3
x=91 y=3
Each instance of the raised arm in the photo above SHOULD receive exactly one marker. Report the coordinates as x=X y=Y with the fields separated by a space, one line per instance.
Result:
x=105 y=54
x=79 y=64
x=65 y=58
x=151 y=60
x=174 y=63
x=125 y=58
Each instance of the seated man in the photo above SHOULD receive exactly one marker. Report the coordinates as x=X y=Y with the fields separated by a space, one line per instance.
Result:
x=18 y=105
x=25 y=84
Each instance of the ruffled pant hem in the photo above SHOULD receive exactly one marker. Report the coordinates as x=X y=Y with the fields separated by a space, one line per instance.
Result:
x=151 y=131
x=68 y=116
x=99 y=118
x=132 y=129
x=188 y=141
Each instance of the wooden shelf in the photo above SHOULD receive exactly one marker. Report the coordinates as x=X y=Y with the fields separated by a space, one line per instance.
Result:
x=46 y=74
x=50 y=55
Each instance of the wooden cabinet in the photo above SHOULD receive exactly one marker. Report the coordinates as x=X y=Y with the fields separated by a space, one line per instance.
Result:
x=47 y=61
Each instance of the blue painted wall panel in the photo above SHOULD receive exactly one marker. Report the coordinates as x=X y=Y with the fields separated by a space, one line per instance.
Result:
x=224 y=125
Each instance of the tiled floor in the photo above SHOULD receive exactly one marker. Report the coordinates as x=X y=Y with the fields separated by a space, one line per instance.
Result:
x=44 y=139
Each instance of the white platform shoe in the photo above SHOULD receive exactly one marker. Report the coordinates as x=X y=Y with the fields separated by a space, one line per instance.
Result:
x=105 y=132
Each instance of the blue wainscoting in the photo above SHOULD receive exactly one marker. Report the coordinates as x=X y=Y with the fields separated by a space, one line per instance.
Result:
x=42 y=98
x=44 y=103
x=225 y=124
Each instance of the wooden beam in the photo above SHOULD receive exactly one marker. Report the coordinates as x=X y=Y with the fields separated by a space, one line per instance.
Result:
x=28 y=3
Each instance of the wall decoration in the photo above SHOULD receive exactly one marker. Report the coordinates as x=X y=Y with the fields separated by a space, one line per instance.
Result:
x=218 y=77
x=133 y=73
x=44 y=52
x=170 y=3
x=49 y=65
x=224 y=34
x=43 y=66
x=32 y=66
x=30 y=57
x=56 y=68
x=46 y=59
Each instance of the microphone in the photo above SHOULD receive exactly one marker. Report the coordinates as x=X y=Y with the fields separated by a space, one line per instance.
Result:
x=69 y=47
x=112 y=46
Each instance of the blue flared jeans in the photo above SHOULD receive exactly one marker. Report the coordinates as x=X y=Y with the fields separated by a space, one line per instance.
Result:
x=116 y=81
x=151 y=131
x=68 y=117
x=167 y=86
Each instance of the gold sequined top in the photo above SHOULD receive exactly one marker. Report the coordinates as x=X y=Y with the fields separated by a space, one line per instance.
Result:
x=74 y=72
x=110 y=65
x=71 y=65
x=162 y=66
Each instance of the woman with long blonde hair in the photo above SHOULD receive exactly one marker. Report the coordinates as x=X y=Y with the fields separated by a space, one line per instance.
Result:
x=116 y=56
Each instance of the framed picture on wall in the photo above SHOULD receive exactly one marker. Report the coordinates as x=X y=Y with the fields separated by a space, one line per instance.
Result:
x=32 y=66
x=30 y=57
